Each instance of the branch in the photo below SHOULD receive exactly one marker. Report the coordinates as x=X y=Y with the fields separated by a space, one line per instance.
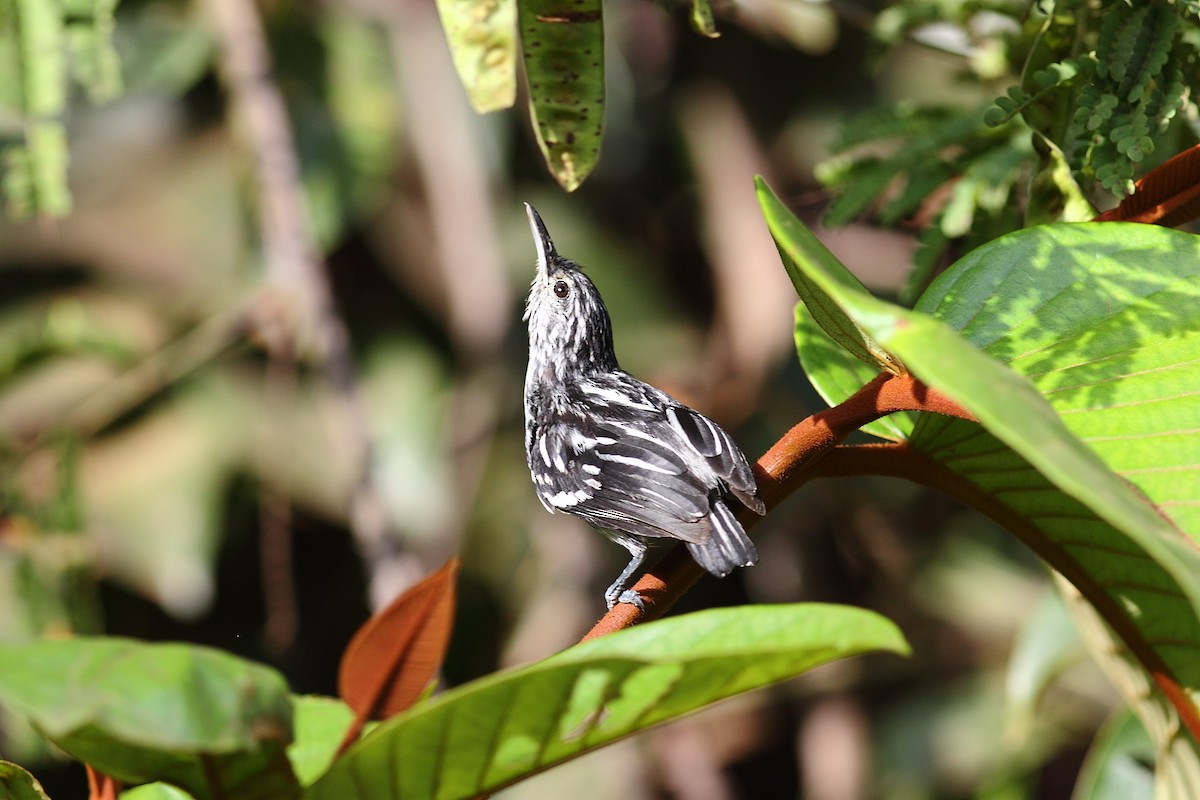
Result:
x=782 y=470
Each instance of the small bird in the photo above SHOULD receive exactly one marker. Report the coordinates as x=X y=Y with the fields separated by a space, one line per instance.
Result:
x=617 y=452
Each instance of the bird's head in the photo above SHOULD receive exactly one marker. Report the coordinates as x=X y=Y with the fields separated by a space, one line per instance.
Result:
x=569 y=328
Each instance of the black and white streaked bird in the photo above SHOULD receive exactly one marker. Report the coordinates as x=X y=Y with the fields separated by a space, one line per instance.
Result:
x=617 y=452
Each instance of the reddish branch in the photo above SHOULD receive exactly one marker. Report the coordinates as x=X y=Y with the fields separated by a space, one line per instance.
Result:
x=101 y=786
x=782 y=470
x=1168 y=195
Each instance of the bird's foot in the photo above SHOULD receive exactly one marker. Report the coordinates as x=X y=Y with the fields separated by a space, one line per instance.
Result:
x=627 y=596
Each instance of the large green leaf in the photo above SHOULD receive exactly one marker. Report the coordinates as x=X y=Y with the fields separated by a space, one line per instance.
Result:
x=482 y=41
x=495 y=731
x=562 y=43
x=1022 y=461
x=1104 y=320
x=208 y=722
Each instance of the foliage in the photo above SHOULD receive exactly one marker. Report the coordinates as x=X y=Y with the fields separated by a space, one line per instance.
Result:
x=1065 y=497
x=175 y=436
x=1093 y=90
x=42 y=46
x=215 y=725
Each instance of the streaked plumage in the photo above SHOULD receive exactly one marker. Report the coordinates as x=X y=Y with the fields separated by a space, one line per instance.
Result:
x=613 y=450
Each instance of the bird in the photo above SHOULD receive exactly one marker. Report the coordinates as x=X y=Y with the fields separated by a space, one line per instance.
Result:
x=617 y=452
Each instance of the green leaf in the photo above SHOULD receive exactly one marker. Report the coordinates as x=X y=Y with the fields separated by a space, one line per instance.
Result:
x=1116 y=348
x=1119 y=764
x=1111 y=345
x=797 y=245
x=35 y=179
x=836 y=374
x=155 y=791
x=484 y=48
x=1046 y=645
x=1054 y=194
x=17 y=784
x=94 y=60
x=320 y=723
x=203 y=720
x=702 y=19
x=43 y=67
x=563 y=48
x=492 y=732
x=1176 y=757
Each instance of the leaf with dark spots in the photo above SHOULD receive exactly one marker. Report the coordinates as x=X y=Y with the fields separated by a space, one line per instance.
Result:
x=568 y=117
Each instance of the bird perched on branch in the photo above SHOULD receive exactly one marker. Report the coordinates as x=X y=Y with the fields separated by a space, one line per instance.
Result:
x=617 y=452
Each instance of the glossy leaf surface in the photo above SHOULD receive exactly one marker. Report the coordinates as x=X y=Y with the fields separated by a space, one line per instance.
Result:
x=513 y=724
x=206 y=721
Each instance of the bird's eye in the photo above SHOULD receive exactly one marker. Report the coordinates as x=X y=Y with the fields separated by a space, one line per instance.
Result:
x=561 y=289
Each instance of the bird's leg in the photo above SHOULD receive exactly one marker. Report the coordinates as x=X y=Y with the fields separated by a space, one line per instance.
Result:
x=617 y=593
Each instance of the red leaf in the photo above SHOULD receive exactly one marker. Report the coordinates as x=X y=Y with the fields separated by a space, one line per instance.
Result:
x=395 y=655
x=1167 y=195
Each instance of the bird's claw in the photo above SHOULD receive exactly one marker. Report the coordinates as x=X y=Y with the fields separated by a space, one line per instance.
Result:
x=627 y=596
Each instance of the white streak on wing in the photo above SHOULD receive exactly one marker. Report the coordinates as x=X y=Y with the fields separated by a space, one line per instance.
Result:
x=559 y=464
x=591 y=469
x=605 y=440
x=568 y=499
x=592 y=482
x=542 y=447
x=634 y=462
x=637 y=432
x=580 y=443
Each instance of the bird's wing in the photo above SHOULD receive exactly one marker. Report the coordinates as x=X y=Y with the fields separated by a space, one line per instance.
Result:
x=721 y=453
x=619 y=471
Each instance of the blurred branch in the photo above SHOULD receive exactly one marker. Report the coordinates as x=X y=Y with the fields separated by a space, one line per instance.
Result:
x=783 y=469
x=305 y=313
x=275 y=517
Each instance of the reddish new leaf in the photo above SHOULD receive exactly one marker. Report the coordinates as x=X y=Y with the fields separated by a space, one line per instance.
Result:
x=1167 y=195
x=395 y=655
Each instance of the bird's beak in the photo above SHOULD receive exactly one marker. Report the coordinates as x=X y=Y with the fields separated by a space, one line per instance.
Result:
x=541 y=237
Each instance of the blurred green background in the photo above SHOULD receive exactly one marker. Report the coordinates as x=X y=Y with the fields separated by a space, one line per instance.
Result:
x=169 y=471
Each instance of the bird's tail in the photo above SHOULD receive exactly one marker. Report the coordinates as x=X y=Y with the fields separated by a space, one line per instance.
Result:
x=729 y=546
